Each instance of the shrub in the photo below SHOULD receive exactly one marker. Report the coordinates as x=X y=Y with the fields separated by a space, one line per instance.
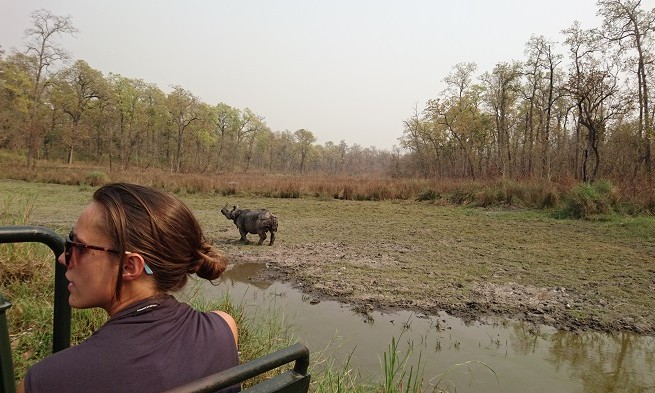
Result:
x=96 y=178
x=650 y=204
x=585 y=200
x=489 y=196
x=550 y=199
x=379 y=193
x=427 y=195
x=346 y=192
x=513 y=193
x=460 y=196
x=289 y=190
x=231 y=189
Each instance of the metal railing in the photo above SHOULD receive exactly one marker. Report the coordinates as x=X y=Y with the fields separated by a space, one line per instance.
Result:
x=291 y=381
x=6 y=365
x=61 y=320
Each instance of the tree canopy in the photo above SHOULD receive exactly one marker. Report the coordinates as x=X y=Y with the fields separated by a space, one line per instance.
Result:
x=580 y=108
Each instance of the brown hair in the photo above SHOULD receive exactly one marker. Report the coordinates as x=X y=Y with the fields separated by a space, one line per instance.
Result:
x=163 y=230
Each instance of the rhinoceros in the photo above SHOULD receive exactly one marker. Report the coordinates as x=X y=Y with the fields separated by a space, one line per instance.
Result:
x=252 y=221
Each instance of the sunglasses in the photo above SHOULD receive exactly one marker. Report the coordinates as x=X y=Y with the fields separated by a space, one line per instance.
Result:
x=68 y=251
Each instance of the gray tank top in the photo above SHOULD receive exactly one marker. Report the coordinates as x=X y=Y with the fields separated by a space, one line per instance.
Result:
x=151 y=346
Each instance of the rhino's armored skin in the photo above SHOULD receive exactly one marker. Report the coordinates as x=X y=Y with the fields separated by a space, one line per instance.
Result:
x=252 y=221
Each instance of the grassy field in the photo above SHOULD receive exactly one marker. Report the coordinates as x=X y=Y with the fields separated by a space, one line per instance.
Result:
x=573 y=274
x=26 y=272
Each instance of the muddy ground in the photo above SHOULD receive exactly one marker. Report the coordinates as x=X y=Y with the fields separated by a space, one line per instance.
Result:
x=305 y=267
x=470 y=262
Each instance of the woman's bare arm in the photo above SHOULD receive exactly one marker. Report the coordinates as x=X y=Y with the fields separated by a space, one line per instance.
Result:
x=231 y=322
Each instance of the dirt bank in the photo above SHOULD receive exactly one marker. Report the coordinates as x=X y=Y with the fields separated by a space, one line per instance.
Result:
x=360 y=280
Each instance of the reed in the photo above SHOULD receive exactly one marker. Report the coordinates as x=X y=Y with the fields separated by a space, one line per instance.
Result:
x=260 y=332
x=397 y=378
x=442 y=383
x=328 y=377
x=630 y=198
x=12 y=262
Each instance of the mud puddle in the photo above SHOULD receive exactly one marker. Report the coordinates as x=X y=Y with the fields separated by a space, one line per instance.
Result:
x=498 y=355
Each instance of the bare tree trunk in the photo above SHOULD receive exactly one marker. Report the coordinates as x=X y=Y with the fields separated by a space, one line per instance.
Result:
x=578 y=143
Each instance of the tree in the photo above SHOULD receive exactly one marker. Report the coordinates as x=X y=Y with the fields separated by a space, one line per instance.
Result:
x=459 y=113
x=251 y=127
x=158 y=119
x=594 y=88
x=501 y=88
x=541 y=96
x=203 y=137
x=282 y=151
x=227 y=122
x=304 y=141
x=126 y=96
x=15 y=88
x=184 y=110
x=630 y=27
x=331 y=157
x=420 y=138
x=77 y=90
x=141 y=116
x=41 y=35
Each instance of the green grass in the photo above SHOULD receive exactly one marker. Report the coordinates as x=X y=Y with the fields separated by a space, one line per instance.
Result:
x=397 y=379
x=437 y=255
x=31 y=294
x=418 y=254
x=433 y=255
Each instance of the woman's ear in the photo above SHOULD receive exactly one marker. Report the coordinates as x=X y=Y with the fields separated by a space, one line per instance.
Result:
x=133 y=267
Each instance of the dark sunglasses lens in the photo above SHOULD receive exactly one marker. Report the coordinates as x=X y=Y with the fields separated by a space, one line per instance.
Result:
x=68 y=247
x=67 y=253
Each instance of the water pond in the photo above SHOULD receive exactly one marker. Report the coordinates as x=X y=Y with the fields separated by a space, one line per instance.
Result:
x=497 y=356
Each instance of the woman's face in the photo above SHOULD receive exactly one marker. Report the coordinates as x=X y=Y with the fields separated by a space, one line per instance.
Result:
x=92 y=274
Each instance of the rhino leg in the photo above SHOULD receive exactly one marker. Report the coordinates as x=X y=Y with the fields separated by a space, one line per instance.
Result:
x=243 y=236
x=262 y=237
x=272 y=238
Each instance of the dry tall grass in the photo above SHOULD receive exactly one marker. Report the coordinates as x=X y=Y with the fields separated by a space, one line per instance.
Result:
x=628 y=198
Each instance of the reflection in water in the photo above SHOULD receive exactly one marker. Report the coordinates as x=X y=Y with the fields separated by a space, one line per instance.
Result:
x=608 y=362
x=523 y=357
x=245 y=273
x=526 y=338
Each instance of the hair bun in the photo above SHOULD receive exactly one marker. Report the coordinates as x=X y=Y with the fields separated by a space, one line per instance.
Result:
x=193 y=269
x=211 y=264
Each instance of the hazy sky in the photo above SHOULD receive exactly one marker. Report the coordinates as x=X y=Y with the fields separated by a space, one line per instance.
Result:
x=345 y=70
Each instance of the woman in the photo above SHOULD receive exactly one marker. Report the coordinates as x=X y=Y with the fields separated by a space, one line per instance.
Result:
x=128 y=250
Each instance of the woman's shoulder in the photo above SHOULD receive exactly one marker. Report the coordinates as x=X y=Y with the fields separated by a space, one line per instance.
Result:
x=224 y=317
x=49 y=371
x=230 y=322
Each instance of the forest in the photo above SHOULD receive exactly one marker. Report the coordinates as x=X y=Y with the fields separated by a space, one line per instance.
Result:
x=577 y=109
x=581 y=109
